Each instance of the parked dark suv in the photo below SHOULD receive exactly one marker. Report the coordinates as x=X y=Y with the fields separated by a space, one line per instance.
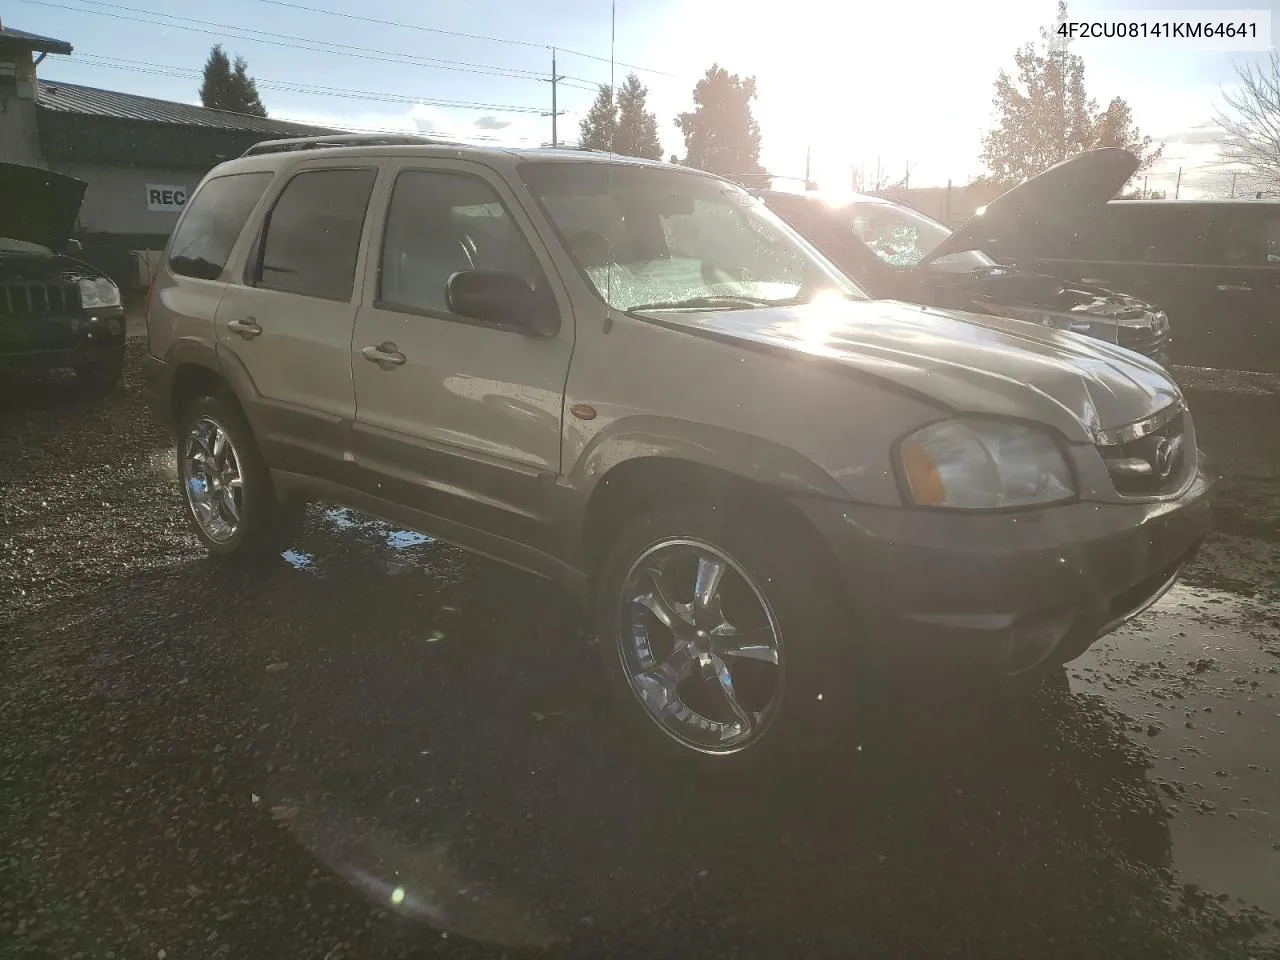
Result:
x=55 y=311
x=1216 y=263
x=897 y=253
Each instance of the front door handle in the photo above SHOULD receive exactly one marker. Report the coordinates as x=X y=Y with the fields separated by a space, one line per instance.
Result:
x=386 y=355
x=1240 y=287
x=247 y=328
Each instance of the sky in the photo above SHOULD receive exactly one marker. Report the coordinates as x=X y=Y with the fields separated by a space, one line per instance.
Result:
x=906 y=85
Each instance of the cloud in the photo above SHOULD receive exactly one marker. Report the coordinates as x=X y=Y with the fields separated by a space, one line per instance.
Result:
x=430 y=120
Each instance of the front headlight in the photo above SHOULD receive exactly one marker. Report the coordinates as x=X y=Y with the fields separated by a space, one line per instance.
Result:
x=98 y=293
x=980 y=464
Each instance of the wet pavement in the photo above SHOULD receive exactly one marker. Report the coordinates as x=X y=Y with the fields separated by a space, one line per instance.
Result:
x=382 y=747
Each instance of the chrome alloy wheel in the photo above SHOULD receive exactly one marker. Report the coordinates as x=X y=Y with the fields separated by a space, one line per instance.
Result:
x=700 y=646
x=212 y=479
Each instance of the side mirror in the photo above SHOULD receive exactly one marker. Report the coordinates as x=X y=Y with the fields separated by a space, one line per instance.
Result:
x=502 y=299
x=74 y=246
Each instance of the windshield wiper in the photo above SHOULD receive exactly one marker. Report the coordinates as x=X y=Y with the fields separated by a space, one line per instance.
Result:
x=727 y=302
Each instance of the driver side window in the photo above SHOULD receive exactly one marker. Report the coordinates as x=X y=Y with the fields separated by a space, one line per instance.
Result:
x=440 y=223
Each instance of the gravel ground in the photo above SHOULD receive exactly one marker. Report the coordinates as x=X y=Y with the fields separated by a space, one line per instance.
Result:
x=381 y=747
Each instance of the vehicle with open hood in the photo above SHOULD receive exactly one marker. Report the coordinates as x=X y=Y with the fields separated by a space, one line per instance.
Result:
x=897 y=253
x=631 y=378
x=1216 y=263
x=55 y=310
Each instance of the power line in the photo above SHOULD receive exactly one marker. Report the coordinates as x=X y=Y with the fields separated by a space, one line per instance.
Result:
x=281 y=40
x=169 y=70
x=466 y=36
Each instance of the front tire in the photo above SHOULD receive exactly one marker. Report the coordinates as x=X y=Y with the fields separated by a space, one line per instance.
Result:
x=724 y=638
x=225 y=486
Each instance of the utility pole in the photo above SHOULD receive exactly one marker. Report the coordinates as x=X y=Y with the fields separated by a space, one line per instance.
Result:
x=1145 y=195
x=1233 y=186
x=555 y=81
x=1178 y=185
x=808 y=183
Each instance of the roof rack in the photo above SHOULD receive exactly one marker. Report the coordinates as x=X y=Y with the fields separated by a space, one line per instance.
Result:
x=336 y=140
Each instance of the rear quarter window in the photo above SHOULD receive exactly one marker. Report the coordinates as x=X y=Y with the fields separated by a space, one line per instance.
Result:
x=212 y=223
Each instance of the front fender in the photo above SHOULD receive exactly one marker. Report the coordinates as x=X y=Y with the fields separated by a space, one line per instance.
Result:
x=760 y=461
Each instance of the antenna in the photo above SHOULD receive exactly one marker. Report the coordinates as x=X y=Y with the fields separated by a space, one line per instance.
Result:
x=613 y=89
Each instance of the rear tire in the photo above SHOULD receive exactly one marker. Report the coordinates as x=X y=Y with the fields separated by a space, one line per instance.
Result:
x=776 y=623
x=225 y=486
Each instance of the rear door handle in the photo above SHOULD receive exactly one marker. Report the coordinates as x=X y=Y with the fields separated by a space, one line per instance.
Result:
x=247 y=328
x=386 y=355
x=1226 y=287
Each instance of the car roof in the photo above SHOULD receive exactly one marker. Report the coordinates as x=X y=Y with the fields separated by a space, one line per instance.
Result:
x=270 y=154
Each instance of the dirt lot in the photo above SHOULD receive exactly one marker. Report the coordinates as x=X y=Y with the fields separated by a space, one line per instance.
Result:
x=381 y=747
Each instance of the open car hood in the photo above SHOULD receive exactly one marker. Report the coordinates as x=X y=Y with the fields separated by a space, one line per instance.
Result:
x=38 y=206
x=1053 y=203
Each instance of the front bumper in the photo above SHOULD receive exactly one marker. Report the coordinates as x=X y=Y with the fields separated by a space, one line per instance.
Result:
x=38 y=344
x=1005 y=593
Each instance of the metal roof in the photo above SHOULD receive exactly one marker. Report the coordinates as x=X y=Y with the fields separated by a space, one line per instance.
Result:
x=33 y=41
x=91 y=101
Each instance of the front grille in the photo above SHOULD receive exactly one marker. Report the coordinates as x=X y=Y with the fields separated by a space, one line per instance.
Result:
x=38 y=299
x=1149 y=458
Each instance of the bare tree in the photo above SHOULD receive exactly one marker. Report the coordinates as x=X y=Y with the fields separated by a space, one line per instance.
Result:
x=1251 y=119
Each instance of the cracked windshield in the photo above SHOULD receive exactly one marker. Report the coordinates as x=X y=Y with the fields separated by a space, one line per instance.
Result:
x=650 y=479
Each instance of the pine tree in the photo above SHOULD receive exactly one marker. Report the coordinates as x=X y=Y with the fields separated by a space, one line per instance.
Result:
x=216 y=88
x=637 y=132
x=225 y=88
x=600 y=123
x=247 y=89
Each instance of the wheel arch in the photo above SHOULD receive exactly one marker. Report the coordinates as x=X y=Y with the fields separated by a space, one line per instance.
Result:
x=199 y=369
x=641 y=483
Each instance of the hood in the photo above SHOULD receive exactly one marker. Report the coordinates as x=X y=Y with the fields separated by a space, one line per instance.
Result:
x=38 y=206
x=1056 y=202
x=966 y=362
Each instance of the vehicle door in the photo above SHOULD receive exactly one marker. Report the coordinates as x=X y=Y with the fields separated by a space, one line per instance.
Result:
x=456 y=417
x=1244 y=254
x=191 y=283
x=287 y=321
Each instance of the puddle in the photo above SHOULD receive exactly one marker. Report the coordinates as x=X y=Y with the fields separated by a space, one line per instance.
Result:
x=400 y=539
x=1199 y=674
x=299 y=560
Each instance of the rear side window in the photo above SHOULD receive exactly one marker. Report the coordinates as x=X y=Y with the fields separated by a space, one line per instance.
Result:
x=312 y=236
x=1152 y=233
x=212 y=222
